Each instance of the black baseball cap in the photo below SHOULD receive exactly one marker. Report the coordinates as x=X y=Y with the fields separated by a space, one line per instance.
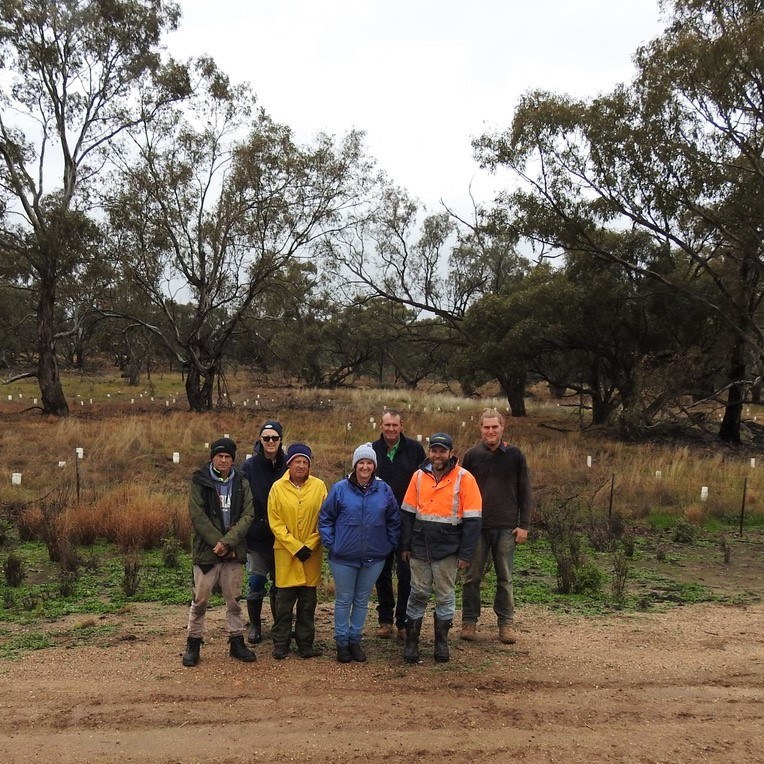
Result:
x=442 y=439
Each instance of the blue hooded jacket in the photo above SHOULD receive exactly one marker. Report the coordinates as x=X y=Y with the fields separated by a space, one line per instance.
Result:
x=358 y=527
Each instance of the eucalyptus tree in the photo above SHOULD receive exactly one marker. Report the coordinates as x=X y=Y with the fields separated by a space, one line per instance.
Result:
x=211 y=208
x=76 y=75
x=436 y=265
x=398 y=254
x=16 y=329
x=676 y=154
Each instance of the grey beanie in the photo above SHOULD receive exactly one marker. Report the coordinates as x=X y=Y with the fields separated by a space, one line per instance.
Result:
x=364 y=451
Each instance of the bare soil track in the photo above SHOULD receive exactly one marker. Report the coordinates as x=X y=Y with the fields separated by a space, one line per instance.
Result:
x=680 y=686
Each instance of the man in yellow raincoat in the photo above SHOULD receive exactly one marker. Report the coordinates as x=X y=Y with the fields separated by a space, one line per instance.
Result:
x=293 y=506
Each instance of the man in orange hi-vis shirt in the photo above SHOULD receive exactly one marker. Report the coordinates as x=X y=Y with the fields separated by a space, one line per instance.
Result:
x=441 y=521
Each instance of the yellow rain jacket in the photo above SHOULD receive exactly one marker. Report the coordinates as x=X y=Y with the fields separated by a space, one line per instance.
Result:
x=293 y=517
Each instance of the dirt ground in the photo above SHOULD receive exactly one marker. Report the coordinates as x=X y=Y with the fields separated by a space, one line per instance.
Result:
x=678 y=686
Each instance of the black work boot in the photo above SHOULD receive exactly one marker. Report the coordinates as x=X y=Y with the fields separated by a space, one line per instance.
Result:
x=309 y=651
x=441 y=640
x=356 y=653
x=254 y=610
x=343 y=654
x=191 y=656
x=411 y=649
x=237 y=649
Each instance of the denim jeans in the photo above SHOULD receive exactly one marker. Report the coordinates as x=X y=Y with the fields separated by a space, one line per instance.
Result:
x=438 y=576
x=387 y=608
x=260 y=567
x=352 y=591
x=500 y=542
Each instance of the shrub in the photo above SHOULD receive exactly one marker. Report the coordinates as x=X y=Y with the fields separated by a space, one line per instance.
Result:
x=726 y=550
x=620 y=575
x=29 y=601
x=684 y=532
x=171 y=551
x=131 y=516
x=91 y=561
x=53 y=529
x=29 y=524
x=84 y=524
x=567 y=554
x=598 y=531
x=67 y=580
x=629 y=542
x=131 y=578
x=562 y=520
x=69 y=558
x=14 y=570
x=617 y=525
x=587 y=578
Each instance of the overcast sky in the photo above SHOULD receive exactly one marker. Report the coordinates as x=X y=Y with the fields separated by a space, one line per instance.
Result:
x=420 y=77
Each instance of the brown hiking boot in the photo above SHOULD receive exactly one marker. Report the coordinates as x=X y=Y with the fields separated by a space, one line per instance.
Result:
x=385 y=631
x=402 y=634
x=506 y=635
x=469 y=632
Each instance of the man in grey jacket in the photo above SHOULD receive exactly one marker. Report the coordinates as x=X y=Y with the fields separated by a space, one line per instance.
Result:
x=221 y=511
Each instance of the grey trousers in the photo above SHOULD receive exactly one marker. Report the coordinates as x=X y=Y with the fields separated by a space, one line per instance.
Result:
x=230 y=576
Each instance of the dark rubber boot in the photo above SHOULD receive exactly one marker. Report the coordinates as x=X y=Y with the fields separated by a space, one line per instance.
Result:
x=356 y=653
x=411 y=649
x=254 y=610
x=272 y=597
x=309 y=651
x=343 y=654
x=191 y=656
x=237 y=649
x=441 y=640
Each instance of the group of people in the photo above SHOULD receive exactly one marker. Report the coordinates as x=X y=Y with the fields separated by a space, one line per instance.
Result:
x=424 y=514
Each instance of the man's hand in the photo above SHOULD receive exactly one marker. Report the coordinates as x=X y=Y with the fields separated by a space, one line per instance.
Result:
x=303 y=554
x=462 y=564
x=221 y=550
x=521 y=535
x=406 y=556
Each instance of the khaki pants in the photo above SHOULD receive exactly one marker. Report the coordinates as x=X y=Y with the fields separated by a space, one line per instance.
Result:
x=230 y=576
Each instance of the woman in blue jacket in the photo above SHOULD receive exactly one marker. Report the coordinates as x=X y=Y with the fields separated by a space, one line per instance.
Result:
x=360 y=526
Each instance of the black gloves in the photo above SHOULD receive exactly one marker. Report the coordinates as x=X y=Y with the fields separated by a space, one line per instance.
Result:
x=303 y=554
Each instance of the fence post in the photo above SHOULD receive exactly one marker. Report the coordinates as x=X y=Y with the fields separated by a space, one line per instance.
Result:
x=612 y=487
x=742 y=506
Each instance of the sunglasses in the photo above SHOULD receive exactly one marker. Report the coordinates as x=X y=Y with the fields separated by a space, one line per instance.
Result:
x=270 y=438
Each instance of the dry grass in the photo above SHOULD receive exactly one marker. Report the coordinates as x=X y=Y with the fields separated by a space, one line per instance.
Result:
x=129 y=515
x=132 y=493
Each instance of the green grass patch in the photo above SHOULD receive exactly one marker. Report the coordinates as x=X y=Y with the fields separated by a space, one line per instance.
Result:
x=32 y=640
x=660 y=520
x=97 y=589
x=659 y=576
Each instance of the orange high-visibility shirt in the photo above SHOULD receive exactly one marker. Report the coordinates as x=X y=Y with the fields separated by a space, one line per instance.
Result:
x=455 y=497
